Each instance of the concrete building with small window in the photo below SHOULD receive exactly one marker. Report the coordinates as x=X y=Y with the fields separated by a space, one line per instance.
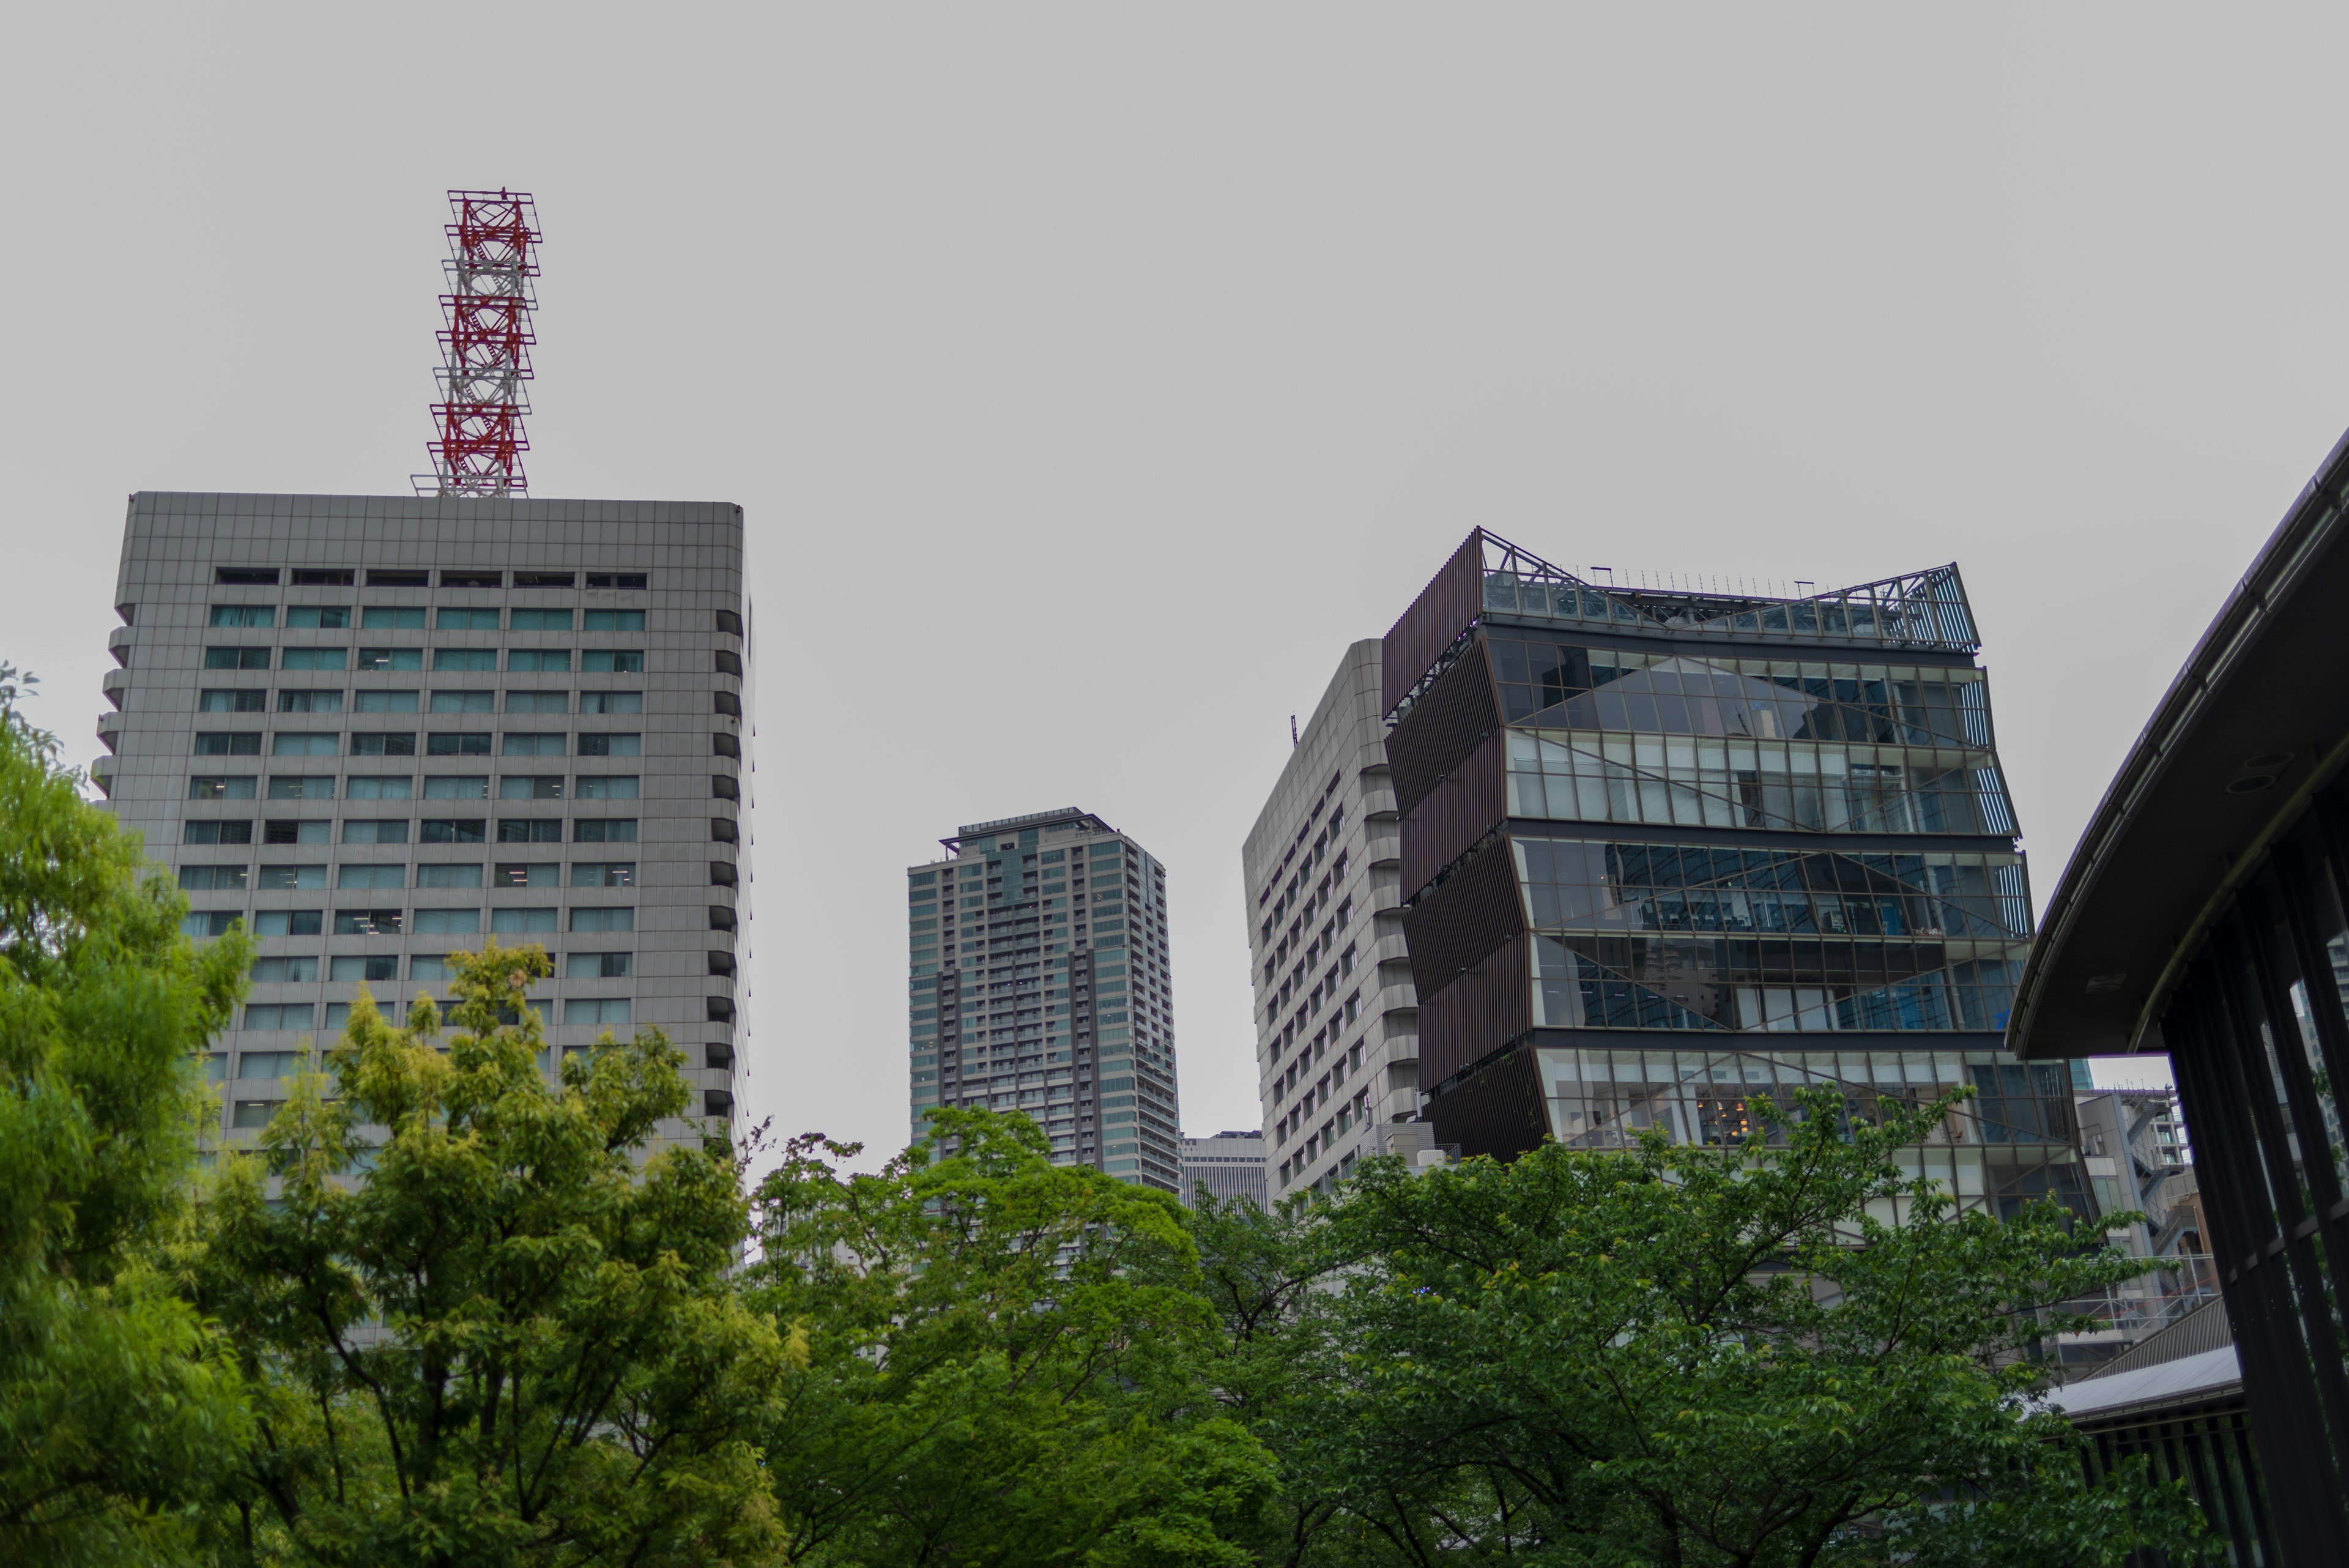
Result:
x=1038 y=981
x=378 y=729
x=1229 y=1166
x=1337 y=1016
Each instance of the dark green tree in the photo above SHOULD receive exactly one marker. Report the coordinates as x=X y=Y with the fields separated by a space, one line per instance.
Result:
x=516 y=1340
x=115 y=1406
x=454 y=1311
x=1284 y=1366
x=1696 y=1356
x=1004 y=1363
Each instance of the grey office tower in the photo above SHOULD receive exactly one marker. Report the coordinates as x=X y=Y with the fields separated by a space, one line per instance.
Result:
x=378 y=729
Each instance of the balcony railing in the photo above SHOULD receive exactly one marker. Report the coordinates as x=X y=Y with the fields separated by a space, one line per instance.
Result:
x=2143 y=1307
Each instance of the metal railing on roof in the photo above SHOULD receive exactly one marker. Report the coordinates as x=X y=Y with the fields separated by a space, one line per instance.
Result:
x=1916 y=609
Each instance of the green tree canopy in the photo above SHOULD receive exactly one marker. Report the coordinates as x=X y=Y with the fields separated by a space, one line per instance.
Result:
x=1005 y=1361
x=113 y=1405
x=515 y=1341
x=1676 y=1356
x=458 y=1308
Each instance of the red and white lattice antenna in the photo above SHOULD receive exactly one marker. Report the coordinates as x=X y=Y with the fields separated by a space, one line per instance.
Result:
x=485 y=346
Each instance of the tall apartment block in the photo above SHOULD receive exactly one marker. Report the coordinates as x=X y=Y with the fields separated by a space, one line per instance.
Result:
x=1662 y=852
x=1038 y=981
x=379 y=730
x=1337 y=1011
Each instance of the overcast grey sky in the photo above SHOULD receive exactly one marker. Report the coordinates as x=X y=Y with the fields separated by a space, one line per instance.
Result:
x=1143 y=357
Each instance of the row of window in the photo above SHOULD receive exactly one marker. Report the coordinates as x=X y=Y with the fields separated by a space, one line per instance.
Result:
x=422 y=578
x=311 y=922
x=1786 y=984
x=437 y=786
x=270 y=1066
x=457 y=786
x=409 y=700
x=541 y=660
x=454 y=922
x=396 y=699
x=430 y=830
x=410 y=617
x=302 y=969
x=463 y=874
x=1701 y=887
x=248 y=742
x=1670 y=692
x=402 y=743
x=1708 y=1097
x=402 y=786
x=1824 y=787
x=304 y=1015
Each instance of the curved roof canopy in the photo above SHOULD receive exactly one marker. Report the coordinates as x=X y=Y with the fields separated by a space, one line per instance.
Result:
x=2257 y=720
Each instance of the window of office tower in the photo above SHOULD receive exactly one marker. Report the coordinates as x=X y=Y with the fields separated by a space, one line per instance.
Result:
x=1608 y=735
x=1706 y=937
x=1811 y=894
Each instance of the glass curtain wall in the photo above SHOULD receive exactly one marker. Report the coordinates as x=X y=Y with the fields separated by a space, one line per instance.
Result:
x=1821 y=863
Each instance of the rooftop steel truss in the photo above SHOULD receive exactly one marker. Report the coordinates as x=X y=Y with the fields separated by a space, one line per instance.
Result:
x=485 y=346
x=1917 y=609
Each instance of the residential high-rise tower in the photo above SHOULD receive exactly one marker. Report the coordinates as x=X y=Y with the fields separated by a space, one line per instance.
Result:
x=379 y=730
x=1038 y=981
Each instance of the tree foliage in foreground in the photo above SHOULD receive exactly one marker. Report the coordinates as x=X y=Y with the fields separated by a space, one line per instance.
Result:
x=114 y=1403
x=512 y=1342
x=450 y=1312
x=1005 y=1361
x=1674 y=1355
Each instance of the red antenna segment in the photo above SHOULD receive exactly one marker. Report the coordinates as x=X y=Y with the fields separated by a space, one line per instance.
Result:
x=485 y=346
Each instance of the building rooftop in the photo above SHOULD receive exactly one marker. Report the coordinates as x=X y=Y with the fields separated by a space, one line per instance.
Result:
x=1926 y=607
x=2234 y=751
x=2207 y=1375
x=1066 y=814
x=1488 y=576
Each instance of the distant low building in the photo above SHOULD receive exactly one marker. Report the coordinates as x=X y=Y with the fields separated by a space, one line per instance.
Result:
x=2137 y=1159
x=1229 y=1165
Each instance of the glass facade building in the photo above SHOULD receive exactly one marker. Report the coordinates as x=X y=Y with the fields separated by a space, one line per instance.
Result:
x=1037 y=982
x=1666 y=851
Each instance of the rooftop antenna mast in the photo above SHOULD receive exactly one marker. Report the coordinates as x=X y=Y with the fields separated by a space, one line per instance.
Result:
x=485 y=346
